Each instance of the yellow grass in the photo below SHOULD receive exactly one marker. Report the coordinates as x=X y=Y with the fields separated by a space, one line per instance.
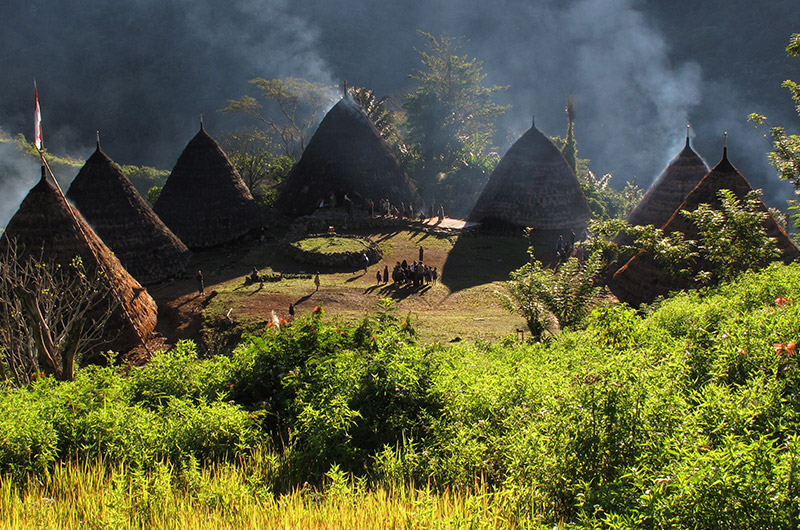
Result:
x=98 y=497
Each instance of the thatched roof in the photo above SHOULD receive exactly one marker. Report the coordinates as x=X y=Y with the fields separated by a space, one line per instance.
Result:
x=204 y=201
x=641 y=279
x=670 y=188
x=45 y=223
x=533 y=186
x=346 y=155
x=148 y=250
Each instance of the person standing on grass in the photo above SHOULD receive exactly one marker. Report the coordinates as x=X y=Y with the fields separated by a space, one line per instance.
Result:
x=316 y=281
x=385 y=274
x=365 y=261
x=378 y=276
x=421 y=252
x=200 y=284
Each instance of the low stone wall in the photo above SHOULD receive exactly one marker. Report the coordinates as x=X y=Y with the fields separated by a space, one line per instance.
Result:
x=333 y=259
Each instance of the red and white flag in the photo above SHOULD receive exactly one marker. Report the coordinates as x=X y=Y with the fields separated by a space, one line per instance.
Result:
x=37 y=120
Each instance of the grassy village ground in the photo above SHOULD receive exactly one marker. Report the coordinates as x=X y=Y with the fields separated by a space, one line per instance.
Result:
x=463 y=305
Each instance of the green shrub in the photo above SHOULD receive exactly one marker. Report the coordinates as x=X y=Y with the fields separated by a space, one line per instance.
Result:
x=28 y=441
x=178 y=373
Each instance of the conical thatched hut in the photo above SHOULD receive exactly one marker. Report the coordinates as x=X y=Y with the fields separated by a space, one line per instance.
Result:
x=533 y=186
x=346 y=155
x=46 y=223
x=147 y=249
x=670 y=188
x=642 y=280
x=204 y=201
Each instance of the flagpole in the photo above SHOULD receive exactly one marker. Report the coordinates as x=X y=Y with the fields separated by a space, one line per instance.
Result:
x=38 y=139
x=37 y=127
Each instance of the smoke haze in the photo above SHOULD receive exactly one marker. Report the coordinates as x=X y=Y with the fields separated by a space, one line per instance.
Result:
x=142 y=72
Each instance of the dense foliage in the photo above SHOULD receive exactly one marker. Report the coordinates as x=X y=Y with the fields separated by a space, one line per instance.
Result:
x=686 y=416
x=450 y=123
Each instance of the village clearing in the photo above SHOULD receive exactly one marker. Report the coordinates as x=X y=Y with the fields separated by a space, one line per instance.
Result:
x=462 y=305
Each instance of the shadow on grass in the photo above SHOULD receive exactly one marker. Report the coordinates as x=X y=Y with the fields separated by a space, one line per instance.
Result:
x=386 y=236
x=304 y=298
x=479 y=259
x=397 y=292
x=354 y=278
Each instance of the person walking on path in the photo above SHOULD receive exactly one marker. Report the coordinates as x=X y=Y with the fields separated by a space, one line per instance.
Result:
x=421 y=252
x=365 y=261
x=316 y=281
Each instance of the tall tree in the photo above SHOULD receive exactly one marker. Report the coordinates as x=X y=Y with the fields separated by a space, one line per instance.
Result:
x=450 y=115
x=253 y=153
x=294 y=106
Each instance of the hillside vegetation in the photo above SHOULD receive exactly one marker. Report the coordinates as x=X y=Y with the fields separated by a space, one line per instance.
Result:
x=683 y=417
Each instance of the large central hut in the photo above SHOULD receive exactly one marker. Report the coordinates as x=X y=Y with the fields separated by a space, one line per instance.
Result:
x=532 y=186
x=346 y=156
x=47 y=227
x=204 y=201
x=148 y=250
x=641 y=280
x=670 y=188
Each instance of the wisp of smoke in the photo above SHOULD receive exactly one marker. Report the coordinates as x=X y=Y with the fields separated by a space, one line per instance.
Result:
x=18 y=174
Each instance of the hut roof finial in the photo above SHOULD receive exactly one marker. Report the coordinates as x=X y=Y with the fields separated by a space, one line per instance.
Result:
x=533 y=121
x=344 y=88
x=688 y=126
x=725 y=145
x=202 y=128
x=97 y=134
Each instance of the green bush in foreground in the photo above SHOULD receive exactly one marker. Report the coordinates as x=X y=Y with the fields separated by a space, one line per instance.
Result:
x=684 y=417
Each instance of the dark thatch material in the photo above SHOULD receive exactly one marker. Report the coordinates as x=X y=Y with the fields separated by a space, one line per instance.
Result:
x=148 y=250
x=533 y=186
x=346 y=155
x=670 y=188
x=642 y=280
x=45 y=223
x=204 y=201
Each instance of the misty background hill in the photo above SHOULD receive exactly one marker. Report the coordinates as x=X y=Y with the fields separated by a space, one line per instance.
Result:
x=142 y=72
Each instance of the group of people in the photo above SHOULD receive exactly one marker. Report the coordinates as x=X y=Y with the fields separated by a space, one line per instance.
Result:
x=403 y=211
x=413 y=274
x=567 y=248
x=384 y=207
x=387 y=209
x=416 y=273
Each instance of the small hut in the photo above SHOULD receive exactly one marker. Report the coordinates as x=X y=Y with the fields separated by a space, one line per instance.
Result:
x=670 y=188
x=642 y=280
x=46 y=223
x=147 y=249
x=204 y=201
x=533 y=186
x=346 y=155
